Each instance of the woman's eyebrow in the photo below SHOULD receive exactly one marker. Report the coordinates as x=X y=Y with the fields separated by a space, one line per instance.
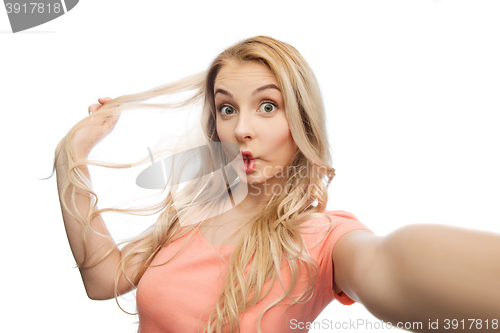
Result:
x=268 y=86
x=224 y=92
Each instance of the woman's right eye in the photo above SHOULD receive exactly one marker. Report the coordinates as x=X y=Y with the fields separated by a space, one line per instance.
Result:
x=226 y=110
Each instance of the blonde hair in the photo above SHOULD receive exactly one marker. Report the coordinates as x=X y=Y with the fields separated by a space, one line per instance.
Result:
x=272 y=235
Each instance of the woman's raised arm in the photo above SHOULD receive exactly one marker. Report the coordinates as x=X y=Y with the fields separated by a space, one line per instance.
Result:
x=442 y=277
x=98 y=279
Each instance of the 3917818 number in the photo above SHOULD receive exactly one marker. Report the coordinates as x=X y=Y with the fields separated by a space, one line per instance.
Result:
x=471 y=324
x=35 y=8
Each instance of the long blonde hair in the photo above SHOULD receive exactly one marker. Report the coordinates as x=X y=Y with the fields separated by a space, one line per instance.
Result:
x=272 y=236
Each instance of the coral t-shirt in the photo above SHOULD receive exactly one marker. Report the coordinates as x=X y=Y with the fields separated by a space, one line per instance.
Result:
x=178 y=296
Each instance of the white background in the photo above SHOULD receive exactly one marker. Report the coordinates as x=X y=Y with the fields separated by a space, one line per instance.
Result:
x=411 y=89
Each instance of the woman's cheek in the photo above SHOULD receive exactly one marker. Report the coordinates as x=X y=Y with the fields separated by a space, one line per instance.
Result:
x=222 y=131
x=280 y=134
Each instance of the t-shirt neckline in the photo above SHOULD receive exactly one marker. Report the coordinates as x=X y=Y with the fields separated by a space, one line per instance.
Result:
x=220 y=247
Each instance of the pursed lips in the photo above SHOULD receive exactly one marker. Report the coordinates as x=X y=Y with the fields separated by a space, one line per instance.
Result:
x=247 y=155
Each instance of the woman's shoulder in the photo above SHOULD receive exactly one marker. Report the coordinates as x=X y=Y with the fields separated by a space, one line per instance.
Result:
x=328 y=226
x=330 y=217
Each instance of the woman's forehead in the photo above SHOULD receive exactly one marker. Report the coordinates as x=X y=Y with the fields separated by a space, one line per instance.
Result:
x=244 y=71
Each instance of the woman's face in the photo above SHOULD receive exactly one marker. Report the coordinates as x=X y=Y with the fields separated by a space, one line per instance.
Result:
x=250 y=113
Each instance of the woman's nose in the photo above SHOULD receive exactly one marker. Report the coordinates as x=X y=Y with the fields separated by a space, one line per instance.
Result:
x=244 y=128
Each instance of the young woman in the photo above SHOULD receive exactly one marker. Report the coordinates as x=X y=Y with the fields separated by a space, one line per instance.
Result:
x=249 y=246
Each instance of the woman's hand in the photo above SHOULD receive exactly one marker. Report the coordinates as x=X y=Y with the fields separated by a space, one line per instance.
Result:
x=98 y=127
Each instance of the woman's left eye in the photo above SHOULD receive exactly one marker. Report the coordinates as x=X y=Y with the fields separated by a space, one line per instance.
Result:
x=267 y=107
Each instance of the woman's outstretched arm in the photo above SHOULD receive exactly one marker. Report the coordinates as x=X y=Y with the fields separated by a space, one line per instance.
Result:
x=423 y=273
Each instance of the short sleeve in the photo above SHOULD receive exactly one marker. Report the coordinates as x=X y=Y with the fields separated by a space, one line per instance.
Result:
x=342 y=223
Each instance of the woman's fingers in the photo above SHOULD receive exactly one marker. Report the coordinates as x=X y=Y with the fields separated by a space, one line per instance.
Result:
x=102 y=100
x=93 y=108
